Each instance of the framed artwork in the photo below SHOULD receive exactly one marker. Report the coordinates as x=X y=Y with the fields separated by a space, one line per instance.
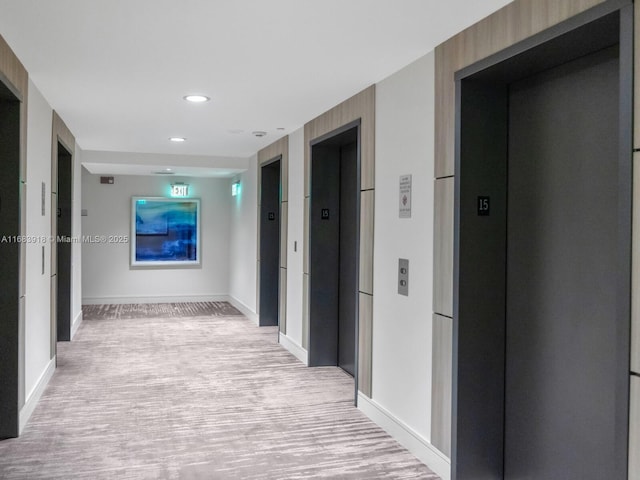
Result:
x=165 y=231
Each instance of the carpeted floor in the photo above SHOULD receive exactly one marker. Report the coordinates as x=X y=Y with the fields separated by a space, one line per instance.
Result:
x=197 y=397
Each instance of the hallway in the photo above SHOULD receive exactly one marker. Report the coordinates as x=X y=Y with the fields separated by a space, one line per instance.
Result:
x=147 y=392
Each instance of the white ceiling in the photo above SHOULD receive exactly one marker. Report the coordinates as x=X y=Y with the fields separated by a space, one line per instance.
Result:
x=116 y=70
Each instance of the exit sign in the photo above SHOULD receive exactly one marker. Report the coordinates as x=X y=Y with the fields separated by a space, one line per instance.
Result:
x=179 y=190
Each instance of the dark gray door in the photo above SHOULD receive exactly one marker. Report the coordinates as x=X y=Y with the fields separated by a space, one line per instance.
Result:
x=270 y=244
x=561 y=272
x=63 y=270
x=9 y=261
x=334 y=251
x=348 y=277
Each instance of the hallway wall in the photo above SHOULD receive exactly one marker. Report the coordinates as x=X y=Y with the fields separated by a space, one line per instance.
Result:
x=402 y=344
x=402 y=326
x=38 y=365
x=37 y=307
x=76 y=248
x=243 y=253
x=295 y=239
x=106 y=274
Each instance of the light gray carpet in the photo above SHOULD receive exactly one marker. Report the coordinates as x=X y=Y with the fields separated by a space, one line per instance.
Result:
x=197 y=398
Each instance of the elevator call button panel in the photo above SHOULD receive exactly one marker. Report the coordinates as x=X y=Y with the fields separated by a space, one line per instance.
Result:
x=403 y=276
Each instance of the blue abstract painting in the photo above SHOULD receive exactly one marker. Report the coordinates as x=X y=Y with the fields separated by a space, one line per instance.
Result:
x=165 y=231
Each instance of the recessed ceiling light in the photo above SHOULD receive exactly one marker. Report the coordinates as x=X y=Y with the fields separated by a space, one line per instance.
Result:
x=168 y=169
x=259 y=133
x=177 y=139
x=280 y=128
x=196 y=98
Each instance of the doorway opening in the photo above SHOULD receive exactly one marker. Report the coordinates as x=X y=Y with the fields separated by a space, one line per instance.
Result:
x=10 y=214
x=270 y=188
x=334 y=230
x=542 y=255
x=63 y=243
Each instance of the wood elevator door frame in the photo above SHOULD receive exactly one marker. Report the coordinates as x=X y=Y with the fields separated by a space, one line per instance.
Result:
x=478 y=383
x=12 y=218
x=270 y=211
x=60 y=136
x=320 y=335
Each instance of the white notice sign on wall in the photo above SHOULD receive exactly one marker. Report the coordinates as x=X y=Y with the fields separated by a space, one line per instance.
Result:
x=405 y=196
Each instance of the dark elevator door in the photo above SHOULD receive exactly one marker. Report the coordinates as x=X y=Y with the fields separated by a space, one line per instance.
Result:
x=561 y=272
x=270 y=244
x=334 y=227
x=348 y=264
x=63 y=271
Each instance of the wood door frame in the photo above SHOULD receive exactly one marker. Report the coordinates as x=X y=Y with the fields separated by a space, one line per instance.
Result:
x=281 y=307
x=15 y=78
x=361 y=106
x=527 y=50
x=279 y=150
x=357 y=125
x=60 y=134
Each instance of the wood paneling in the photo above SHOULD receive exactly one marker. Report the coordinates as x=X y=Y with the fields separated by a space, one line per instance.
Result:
x=12 y=70
x=366 y=241
x=305 y=246
x=441 y=384
x=635 y=269
x=59 y=133
x=22 y=248
x=443 y=247
x=15 y=76
x=282 y=301
x=365 y=332
x=513 y=23
x=62 y=134
x=284 y=228
x=279 y=148
x=636 y=79
x=360 y=106
x=634 y=430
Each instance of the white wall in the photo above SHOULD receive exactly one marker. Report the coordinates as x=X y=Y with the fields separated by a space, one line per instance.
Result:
x=295 y=234
x=76 y=248
x=106 y=274
x=402 y=341
x=38 y=285
x=242 y=239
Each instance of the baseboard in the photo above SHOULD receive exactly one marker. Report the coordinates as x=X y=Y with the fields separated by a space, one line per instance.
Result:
x=249 y=313
x=76 y=324
x=36 y=393
x=407 y=437
x=154 y=299
x=295 y=349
